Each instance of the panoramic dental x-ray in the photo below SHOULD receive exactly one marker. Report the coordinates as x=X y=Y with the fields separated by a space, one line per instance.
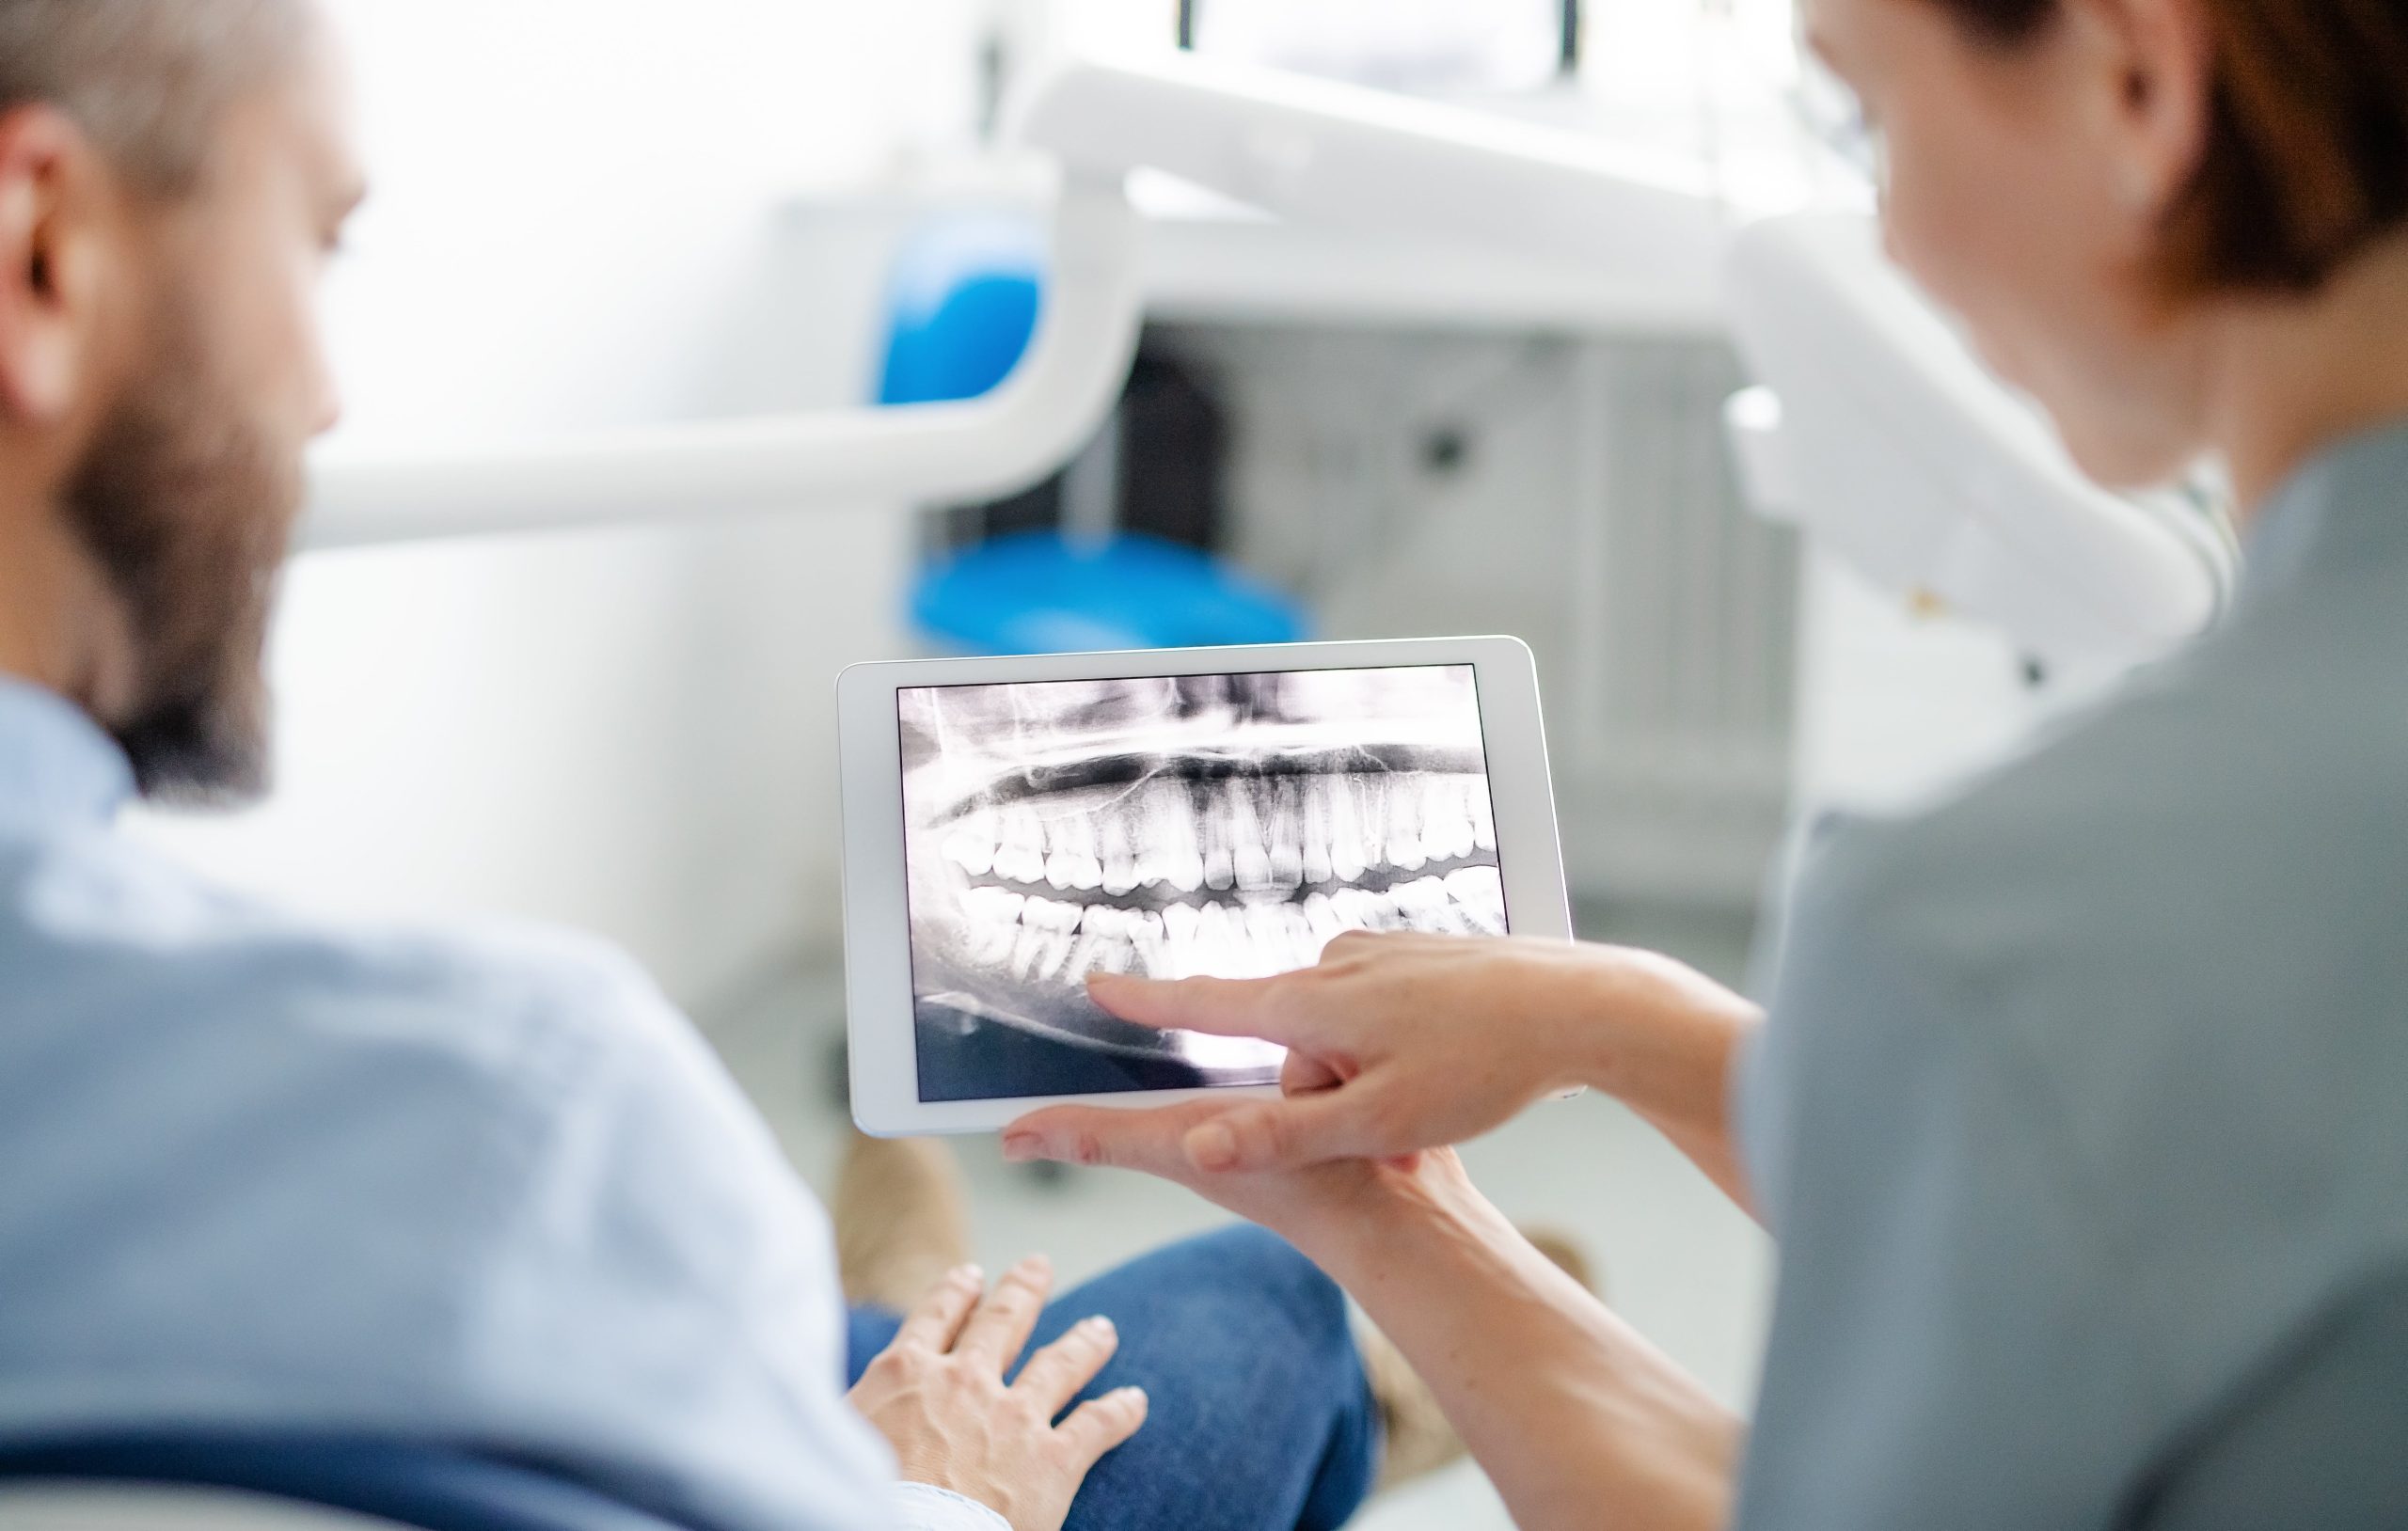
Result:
x=1227 y=826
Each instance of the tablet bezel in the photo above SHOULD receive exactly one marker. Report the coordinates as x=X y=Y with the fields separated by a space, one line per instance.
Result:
x=880 y=1026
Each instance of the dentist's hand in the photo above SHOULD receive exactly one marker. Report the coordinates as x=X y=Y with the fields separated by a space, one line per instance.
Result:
x=1303 y=1205
x=1564 y=1405
x=1342 y=1214
x=1401 y=1043
x=938 y=1396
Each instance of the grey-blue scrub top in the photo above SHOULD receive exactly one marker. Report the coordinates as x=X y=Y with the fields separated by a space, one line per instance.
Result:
x=2082 y=1118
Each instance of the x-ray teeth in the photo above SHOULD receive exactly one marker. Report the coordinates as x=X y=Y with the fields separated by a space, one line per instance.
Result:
x=1120 y=875
x=1230 y=826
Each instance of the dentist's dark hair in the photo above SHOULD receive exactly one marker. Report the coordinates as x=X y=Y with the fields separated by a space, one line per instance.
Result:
x=2307 y=163
x=146 y=79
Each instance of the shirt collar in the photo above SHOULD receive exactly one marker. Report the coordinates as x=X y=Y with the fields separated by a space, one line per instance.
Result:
x=54 y=763
x=2347 y=509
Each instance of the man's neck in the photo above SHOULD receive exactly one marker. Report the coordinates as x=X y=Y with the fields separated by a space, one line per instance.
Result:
x=61 y=628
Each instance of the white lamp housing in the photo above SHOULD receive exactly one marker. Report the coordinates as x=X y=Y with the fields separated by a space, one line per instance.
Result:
x=1878 y=432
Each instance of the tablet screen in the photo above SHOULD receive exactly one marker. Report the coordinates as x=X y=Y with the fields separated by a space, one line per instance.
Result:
x=1227 y=826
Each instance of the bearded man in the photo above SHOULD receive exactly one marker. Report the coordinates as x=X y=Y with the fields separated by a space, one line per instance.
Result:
x=270 y=1176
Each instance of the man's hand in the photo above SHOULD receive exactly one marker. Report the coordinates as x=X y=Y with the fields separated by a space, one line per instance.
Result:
x=1403 y=1043
x=938 y=1396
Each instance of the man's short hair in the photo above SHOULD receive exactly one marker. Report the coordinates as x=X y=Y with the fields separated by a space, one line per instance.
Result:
x=146 y=79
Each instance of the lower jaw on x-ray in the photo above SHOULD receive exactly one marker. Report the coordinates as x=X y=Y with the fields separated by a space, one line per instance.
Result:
x=1229 y=825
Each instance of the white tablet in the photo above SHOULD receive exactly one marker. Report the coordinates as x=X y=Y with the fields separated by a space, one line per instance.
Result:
x=1014 y=825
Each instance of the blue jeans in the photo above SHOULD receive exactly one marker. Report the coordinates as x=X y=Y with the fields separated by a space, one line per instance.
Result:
x=1260 y=1418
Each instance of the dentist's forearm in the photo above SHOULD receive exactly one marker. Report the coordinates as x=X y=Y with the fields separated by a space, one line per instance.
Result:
x=1566 y=1407
x=1662 y=1039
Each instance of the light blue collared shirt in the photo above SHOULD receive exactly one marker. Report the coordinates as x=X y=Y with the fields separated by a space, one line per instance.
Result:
x=258 y=1173
x=2083 y=1113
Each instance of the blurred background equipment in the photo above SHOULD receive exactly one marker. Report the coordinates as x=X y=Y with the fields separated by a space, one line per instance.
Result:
x=1443 y=45
x=1116 y=550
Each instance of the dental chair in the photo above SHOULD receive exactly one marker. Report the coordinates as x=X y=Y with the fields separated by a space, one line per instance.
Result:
x=292 y=1483
x=967 y=296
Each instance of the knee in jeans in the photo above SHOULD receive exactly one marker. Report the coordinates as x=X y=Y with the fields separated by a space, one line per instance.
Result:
x=1311 y=1301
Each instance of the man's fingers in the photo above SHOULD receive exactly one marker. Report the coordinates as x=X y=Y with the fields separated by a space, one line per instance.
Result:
x=1285 y=1135
x=999 y=1330
x=933 y=1324
x=1219 y=1006
x=1098 y=1424
x=1054 y=1375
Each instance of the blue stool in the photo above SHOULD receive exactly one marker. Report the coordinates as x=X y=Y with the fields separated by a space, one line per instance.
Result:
x=1039 y=592
x=964 y=306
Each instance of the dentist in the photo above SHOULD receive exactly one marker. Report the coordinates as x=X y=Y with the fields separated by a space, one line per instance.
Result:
x=2082 y=1101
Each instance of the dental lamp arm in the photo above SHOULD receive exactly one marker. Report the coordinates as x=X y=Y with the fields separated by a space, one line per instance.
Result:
x=1328 y=154
x=1333 y=156
x=1040 y=416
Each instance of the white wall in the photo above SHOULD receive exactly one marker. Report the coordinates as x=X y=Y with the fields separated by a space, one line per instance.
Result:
x=573 y=223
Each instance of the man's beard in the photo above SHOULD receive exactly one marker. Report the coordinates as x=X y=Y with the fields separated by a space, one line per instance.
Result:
x=187 y=506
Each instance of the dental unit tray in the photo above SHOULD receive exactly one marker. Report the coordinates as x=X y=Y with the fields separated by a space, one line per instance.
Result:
x=1014 y=825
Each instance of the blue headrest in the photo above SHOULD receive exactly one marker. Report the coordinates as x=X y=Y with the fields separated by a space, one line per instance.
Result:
x=962 y=309
x=433 y=1487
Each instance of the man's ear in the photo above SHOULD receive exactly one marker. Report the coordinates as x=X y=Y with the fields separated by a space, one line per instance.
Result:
x=54 y=252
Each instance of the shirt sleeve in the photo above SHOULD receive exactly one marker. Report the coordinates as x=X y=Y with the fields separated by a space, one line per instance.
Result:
x=1939 y=1355
x=660 y=1307
x=919 y=1506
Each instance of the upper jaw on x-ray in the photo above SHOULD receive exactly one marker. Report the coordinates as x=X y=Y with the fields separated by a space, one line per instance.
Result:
x=1222 y=824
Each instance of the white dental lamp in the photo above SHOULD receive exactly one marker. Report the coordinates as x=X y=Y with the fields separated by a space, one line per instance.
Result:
x=1875 y=429
x=1875 y=432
